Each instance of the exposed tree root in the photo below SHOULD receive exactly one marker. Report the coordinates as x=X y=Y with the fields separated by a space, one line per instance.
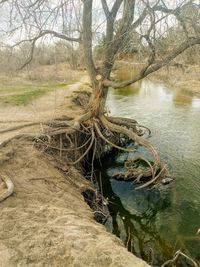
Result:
x=139 y=172
x=177 y=255
x=153 y=180
x=10 y=188
x=81 y=119
x=129 y=124
x=109 y=142
x=86 y=151
x=99 y=134
x=18 y=127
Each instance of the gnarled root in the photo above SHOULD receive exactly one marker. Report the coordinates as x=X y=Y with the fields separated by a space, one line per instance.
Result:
x=100 y=134
x=139 y=172
x=130 y=124
x=10 y=188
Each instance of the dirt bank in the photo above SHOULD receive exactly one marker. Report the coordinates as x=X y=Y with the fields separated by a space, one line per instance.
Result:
x=46 y=221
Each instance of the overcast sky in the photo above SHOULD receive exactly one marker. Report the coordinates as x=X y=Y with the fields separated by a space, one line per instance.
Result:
x=61 y=22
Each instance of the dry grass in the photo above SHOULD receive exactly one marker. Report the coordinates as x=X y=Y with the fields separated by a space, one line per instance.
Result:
x=186 y=79
x=127 y=70
x=23 y=87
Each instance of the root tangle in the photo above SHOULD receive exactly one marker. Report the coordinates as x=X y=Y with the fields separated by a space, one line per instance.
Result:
x=77 y=138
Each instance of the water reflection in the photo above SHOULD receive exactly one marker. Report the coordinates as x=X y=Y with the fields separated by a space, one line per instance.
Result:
x=196 y=102
x=182 y=99
x=134 y=215
x=164 y=221
x=128 y=72
x=130 y=90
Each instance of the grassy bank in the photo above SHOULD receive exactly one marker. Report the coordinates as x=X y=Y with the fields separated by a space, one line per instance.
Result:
x=20 y=88
x=24 y=94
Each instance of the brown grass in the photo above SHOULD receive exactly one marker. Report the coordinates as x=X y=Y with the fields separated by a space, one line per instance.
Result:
x=23 y=87
x=186 y=79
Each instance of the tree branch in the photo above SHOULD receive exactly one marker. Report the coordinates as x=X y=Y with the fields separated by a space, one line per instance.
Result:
x=41 y=34
x=106 y=9
x=113 y=43
x=140 y=19
x=30 y=57
x=46 y=32
x=60 y=35
x=115 y=8
x=176 y=12
x=111 y=15
x=156 y=66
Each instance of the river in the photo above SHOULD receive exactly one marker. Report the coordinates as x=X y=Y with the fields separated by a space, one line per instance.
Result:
x=155 y=223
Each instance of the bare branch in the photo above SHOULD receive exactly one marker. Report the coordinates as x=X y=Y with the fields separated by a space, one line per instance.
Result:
x=40 y=35
x=30 y=57
x=113 y=43
x=140 y=19
x=115 y=8
x=156 y=66
x=60 y=35
x=106 y=9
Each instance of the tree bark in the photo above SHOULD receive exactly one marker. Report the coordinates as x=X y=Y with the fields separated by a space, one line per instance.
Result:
x=87 y=40
x=98 y=100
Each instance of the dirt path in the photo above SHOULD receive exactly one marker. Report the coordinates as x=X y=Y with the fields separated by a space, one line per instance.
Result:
x=53 y=105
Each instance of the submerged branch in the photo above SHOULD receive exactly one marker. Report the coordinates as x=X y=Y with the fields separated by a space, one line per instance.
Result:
x=9 y=190
x=176 y=256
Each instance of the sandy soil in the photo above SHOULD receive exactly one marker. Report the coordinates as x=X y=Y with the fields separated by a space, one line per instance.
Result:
x=46 y=221
x=48 y=107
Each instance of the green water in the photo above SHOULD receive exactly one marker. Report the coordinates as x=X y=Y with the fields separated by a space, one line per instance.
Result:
x=155 y=223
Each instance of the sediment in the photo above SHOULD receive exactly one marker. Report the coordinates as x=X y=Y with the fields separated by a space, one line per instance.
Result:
x=46 y=221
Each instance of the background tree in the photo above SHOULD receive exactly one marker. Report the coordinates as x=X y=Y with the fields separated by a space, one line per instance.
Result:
x=80 y=22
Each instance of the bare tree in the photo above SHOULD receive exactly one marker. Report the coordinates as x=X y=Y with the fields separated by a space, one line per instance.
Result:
x=80 y=22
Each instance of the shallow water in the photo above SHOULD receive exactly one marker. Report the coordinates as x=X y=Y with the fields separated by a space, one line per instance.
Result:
x=155 y=223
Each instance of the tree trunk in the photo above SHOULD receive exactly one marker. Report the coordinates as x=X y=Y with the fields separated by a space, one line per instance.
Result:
x=98 y=100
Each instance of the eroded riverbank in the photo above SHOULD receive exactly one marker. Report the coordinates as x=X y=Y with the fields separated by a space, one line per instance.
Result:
x=46 y=221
